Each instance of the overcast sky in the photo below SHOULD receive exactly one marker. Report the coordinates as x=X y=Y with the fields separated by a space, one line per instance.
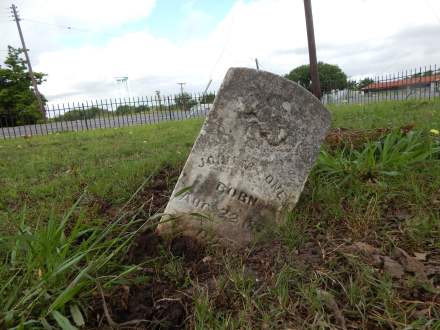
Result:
x=84 y=44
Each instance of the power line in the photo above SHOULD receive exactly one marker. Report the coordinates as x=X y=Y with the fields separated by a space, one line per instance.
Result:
x=46 y=23
x=228 y=38
x=68 y=27
x=432 y=10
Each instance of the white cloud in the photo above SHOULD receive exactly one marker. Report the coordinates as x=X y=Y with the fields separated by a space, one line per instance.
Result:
x=93 y=14
x=362 y=36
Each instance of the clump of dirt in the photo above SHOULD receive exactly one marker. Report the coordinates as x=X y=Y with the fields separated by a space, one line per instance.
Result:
x=188 y=248
x=160 y=303
x=146 y=245
x=158 y=190
x=152 y=306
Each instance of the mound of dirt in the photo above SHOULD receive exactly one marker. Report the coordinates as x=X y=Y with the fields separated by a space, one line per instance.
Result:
x=159 y=303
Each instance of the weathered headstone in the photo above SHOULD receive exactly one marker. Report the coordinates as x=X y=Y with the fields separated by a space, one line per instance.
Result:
x=251 y=159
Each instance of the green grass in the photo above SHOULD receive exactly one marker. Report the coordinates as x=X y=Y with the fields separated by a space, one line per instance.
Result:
x=424 y=114
x=47 y=174
x=56 y=255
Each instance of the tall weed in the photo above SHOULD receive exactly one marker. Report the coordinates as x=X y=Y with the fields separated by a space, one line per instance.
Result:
x=47 y=271
x=391 y=156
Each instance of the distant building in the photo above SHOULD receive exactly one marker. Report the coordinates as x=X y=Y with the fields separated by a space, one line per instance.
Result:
x=431 y=81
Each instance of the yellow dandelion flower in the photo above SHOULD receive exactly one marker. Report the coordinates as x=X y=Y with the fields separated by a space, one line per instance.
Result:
x=435 y=131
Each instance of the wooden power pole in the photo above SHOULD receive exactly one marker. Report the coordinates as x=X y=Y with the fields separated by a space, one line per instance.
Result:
x=28 y=61
x=316 y=85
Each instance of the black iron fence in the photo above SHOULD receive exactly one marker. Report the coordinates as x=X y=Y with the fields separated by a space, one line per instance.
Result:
x=421 y=83
x=110 y=113
x=413 y=84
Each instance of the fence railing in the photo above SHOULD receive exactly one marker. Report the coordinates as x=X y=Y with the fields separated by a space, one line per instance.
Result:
x=422 y=83
x=413 y=84
x=109 y=113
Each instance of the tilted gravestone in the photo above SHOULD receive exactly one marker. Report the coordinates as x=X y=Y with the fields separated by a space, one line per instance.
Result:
x=251 y=159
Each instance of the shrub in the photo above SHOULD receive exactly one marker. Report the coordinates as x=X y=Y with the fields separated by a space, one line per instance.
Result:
x=127 y=109
x=185 y=102
x=81 y=114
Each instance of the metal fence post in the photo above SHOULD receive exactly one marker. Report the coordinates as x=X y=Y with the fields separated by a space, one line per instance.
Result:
x=85 y=116
x=169 y=108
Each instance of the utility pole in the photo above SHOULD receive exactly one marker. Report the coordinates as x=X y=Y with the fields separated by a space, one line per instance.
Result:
x=181 y=86
x=316 y=85
x=158 y=99
x=183 y=99
x=256 y=64
x=28 y=61
x=123 y=81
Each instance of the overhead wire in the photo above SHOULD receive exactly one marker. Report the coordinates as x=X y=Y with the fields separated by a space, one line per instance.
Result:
x=432 y=9
x=222 y=52
x=68 y=27
x=73 y=28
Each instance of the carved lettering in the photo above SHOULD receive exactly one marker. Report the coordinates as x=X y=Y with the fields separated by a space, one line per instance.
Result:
x=226 y=213
x=269 y=179
x=231 y=191
x=237 y=194
x=204 y=206
x=243 y=197
x=280 y=193
x=275 y=186
x=194 y=201
x=211 y=160
x=221 y=187
x=252 y=200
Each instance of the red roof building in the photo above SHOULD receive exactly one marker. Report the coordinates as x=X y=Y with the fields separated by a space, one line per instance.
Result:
x=423 y=81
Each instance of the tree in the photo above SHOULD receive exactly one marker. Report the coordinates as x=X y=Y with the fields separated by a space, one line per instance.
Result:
x=207 y=98
x=128 y=109
x=331 y=77
x=352 y=85
x=81 y=114
x=184 y=101
x=18 y=103
x=365 y=82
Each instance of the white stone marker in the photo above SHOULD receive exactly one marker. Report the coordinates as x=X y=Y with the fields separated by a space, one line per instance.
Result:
x=251 y=159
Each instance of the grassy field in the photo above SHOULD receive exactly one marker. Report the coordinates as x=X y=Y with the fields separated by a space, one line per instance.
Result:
x=361 y=250
x=45 y=175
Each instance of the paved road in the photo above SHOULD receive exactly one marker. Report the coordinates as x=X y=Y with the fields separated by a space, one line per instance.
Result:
x=101 y=122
